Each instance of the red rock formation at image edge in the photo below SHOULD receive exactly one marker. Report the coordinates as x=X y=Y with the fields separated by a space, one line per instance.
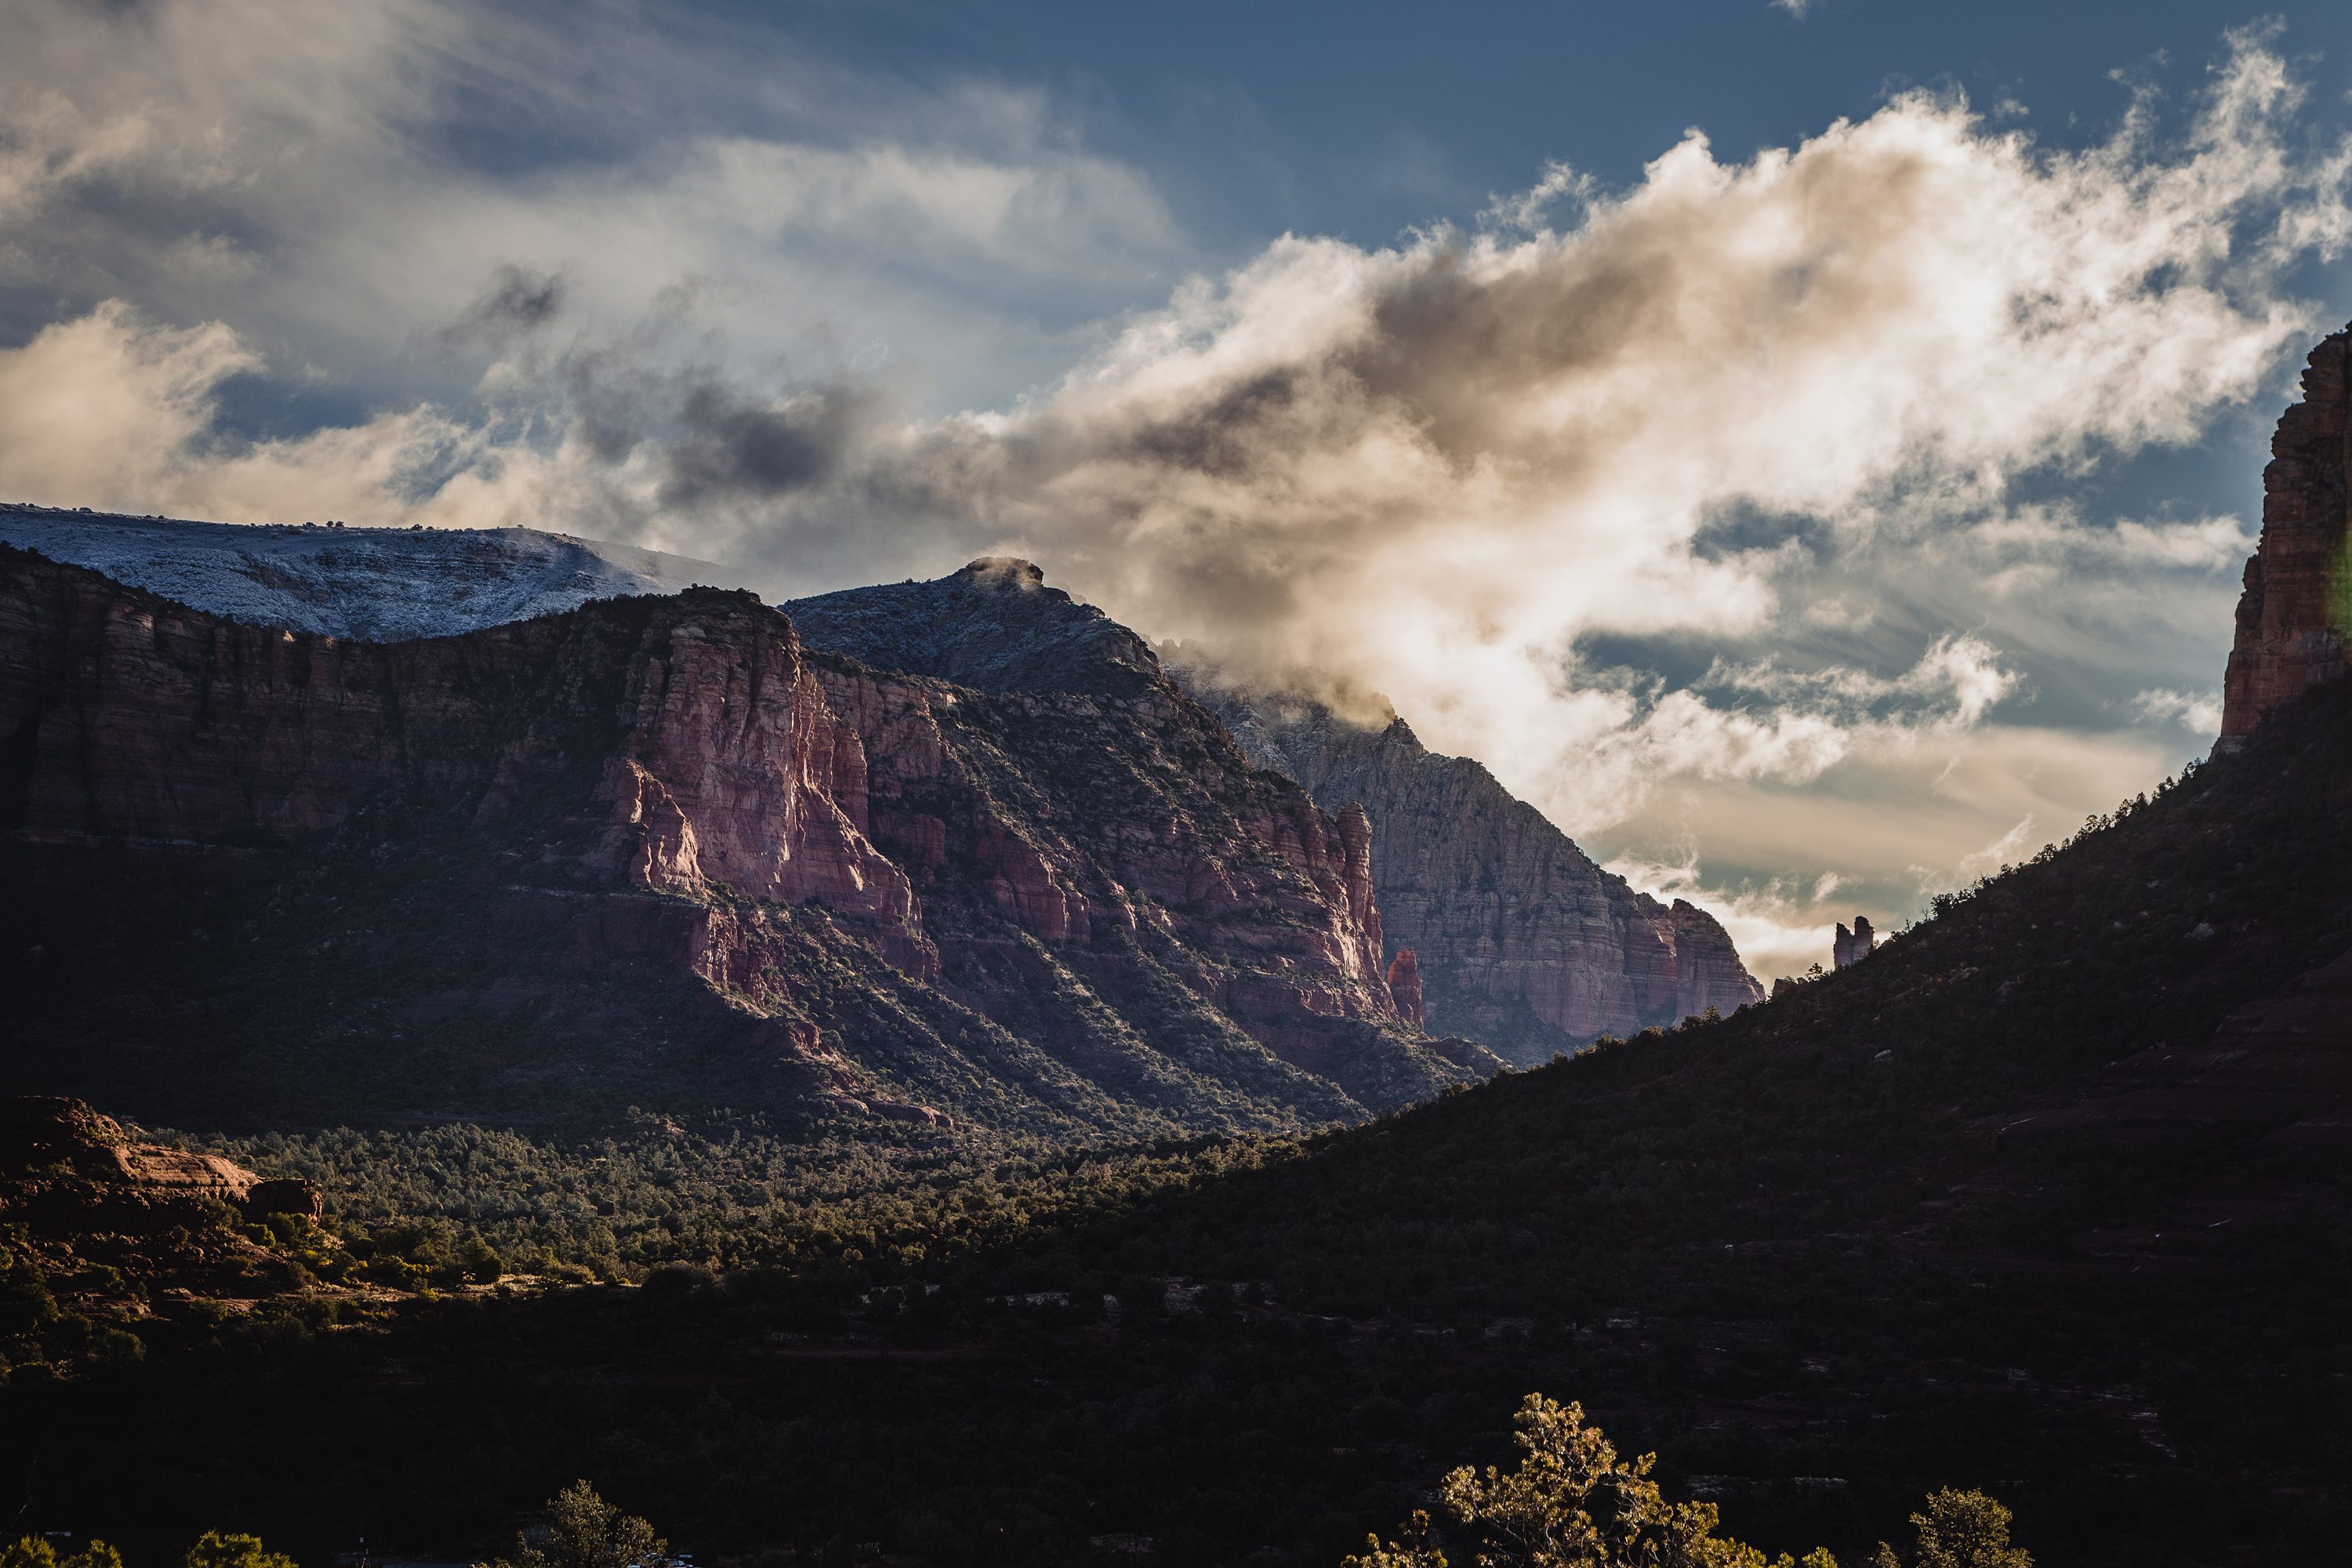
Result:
x=2290 y=617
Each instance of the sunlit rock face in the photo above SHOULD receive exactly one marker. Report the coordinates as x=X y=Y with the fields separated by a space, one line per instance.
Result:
x=1139 y=819
x=683 y=747
x=1053 y=908
x=2291 y=617
x=1522 y=943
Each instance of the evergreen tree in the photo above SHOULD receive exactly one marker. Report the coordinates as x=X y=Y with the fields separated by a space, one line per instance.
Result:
x=583 y=1530
x=1571 y=1503
x=214 y=1550
x=32 y=1552
x=1960 y=1530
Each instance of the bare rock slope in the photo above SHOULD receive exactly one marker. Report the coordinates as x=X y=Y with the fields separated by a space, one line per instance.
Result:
x=1519 y=941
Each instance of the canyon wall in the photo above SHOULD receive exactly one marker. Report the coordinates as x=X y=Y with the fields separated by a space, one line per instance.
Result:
x=1522 y=943
x=1518 y=941
x=1050 y=910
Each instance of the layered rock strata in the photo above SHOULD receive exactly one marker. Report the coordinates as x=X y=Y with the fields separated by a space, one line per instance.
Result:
x=1043 y=910
x=1523 y=943
x=1519 y=941
x=2292 y=613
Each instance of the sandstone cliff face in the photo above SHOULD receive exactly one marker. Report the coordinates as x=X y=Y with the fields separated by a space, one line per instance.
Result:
x=2292 y=615
x=1404 y=985
x=898 y=897
x=1522 y=943
x=1021 y=818
x=716 y=759
x=1003 y=719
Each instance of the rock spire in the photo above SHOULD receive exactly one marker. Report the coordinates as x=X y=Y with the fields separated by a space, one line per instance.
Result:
x=2291 y=617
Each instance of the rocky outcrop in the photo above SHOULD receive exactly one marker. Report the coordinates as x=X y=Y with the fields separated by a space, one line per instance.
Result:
x=1522 y=943
x=2292 y=614
x=1852 y=946
x=1050 y=909
x=994 y=626
x=1404 y=985
x=123 y=1229
x=63 y=1165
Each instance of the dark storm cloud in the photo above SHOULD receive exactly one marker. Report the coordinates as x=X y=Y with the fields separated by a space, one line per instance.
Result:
x=518 y=301
x=731 y=448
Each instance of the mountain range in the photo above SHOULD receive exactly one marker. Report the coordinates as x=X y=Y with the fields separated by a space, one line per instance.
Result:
x=946 y=854
x=2046 y=1195
x=654 y=850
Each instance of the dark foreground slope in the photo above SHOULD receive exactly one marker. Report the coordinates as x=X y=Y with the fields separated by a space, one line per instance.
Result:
x=652 y=852
x=2047 y=1197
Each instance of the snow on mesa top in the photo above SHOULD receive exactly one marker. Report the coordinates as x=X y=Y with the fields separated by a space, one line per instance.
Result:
x=380 y=585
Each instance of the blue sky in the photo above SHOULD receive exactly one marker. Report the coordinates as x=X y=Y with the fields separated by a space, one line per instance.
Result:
x=1809 y=453
x=1364 y=120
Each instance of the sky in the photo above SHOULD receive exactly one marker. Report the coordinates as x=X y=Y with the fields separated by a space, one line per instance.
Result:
x=1808 y=449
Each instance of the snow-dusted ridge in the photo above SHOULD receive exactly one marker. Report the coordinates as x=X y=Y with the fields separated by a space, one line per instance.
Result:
x=383 y=585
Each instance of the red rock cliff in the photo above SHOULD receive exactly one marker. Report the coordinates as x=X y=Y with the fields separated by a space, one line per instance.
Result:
x=715 y=758
x=2292 y=615
x=1053 y=908
x=1522 y=943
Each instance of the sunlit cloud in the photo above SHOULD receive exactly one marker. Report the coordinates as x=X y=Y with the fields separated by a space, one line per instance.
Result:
x=2200 y=712
x=1713 y=511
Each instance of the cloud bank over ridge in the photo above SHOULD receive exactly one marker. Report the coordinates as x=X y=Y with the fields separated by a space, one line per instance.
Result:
x=1726 y=515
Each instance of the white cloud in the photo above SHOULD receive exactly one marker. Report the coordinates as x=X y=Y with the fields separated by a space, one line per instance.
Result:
x=1780 y=926
x=309 y=158
x=1447 y=470
x=2012 y=847
x=2200 y=712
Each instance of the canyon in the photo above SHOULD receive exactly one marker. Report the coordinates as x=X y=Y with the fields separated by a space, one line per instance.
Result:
x=1522 y=944
x=655 y=851
x=1518 y=941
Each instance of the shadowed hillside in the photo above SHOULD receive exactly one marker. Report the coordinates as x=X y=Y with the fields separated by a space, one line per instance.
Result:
x=2046 y=1196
